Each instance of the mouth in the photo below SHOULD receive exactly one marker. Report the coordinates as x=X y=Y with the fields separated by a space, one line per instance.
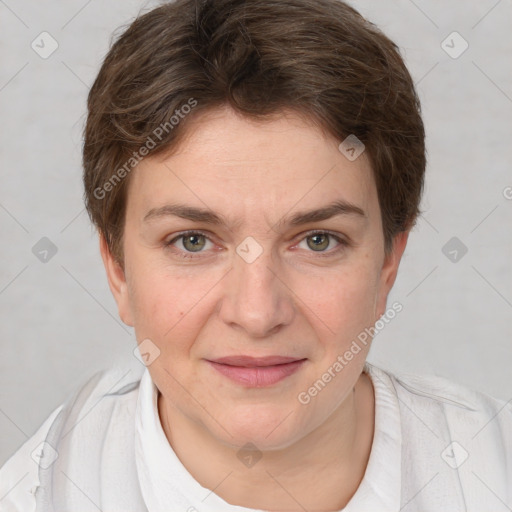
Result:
x=256 y=372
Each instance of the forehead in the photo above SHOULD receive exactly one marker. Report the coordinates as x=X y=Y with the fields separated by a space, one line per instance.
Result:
x=276 y=165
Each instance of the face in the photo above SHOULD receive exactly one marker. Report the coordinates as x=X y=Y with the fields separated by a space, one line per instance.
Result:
x=254 y=256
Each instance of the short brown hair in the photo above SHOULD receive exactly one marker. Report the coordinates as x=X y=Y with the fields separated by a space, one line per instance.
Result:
x=320 y=58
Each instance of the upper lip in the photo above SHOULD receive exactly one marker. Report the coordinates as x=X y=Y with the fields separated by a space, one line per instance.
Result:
x=249 y=361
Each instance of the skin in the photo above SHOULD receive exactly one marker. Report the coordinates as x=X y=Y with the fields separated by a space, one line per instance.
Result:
x=295 y=300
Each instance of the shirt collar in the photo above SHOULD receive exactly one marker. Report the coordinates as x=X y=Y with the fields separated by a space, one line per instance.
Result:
x=381 y=484
x=164 y=481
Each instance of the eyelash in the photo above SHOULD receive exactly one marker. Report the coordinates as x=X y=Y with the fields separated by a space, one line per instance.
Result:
x=343 y=244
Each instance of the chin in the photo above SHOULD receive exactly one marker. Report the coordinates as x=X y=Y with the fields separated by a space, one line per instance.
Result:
x=267 y=427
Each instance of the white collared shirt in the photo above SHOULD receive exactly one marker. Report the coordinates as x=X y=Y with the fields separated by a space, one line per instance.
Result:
x=437 y=446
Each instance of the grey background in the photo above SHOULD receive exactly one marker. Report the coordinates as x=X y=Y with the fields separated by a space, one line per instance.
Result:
x=59 y=323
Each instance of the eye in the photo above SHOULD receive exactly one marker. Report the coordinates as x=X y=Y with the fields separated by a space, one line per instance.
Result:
x=190 y=241
x=319 y=241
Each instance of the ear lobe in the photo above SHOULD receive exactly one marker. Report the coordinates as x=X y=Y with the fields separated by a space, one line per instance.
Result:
x=390 y=270
x=116 y=281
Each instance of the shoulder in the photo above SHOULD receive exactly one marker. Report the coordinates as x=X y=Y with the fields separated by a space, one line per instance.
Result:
x=454 y=437
x=106 y=391
x=481 y=419
x=442 y=405
x=19 y=475
x=433 y=389
x=434 y=407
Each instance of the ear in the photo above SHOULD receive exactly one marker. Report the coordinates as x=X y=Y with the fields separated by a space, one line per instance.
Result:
x=117 y=282
x=389 y=272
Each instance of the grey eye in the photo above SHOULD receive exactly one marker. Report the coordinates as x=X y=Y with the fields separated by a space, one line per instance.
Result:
x=193 y=243
x=319 y=242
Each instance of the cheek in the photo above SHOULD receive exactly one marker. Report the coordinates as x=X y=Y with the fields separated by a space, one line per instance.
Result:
x=342 y=304
x=168 y=307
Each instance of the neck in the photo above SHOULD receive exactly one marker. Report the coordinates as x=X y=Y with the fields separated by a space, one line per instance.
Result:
x=321 y=471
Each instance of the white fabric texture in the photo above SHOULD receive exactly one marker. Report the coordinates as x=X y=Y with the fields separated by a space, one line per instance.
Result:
x=437 y=446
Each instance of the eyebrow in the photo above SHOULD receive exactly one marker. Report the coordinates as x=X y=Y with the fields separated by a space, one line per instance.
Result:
x=192 y=213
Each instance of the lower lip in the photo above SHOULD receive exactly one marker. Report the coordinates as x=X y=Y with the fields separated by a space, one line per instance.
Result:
x=259 y=376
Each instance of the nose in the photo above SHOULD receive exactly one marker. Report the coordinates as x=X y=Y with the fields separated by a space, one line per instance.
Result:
x=256 y=298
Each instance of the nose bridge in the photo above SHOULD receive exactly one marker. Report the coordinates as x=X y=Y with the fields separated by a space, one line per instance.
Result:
x=257 y=300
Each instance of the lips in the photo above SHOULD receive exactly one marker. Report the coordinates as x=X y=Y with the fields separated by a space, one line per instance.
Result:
x=251 y=362
x=256 y=372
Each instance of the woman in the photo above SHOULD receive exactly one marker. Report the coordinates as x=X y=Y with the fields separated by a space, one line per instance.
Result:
x=254 y=170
